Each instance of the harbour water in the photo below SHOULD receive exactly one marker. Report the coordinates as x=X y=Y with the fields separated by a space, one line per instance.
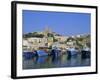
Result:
x=55 y=62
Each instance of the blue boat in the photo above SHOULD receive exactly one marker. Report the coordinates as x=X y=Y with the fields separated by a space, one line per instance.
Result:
x=72 y=51
x=28 y=55
x=40 y=53
x=56 y=52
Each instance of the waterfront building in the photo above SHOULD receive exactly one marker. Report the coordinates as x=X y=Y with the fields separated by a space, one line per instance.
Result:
x=61 y=38
x=34 y=40
x=71 y=42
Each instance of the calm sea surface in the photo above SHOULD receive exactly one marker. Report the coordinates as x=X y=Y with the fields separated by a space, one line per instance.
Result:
x=54 y=62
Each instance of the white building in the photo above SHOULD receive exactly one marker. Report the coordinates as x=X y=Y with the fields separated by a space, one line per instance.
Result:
x=61 y=38
x=34 y=43
x=34 y=40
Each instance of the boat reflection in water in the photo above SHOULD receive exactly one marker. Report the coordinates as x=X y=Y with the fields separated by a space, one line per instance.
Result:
x=71 y=58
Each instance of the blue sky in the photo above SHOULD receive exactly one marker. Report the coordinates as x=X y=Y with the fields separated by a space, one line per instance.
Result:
x=64 y=23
